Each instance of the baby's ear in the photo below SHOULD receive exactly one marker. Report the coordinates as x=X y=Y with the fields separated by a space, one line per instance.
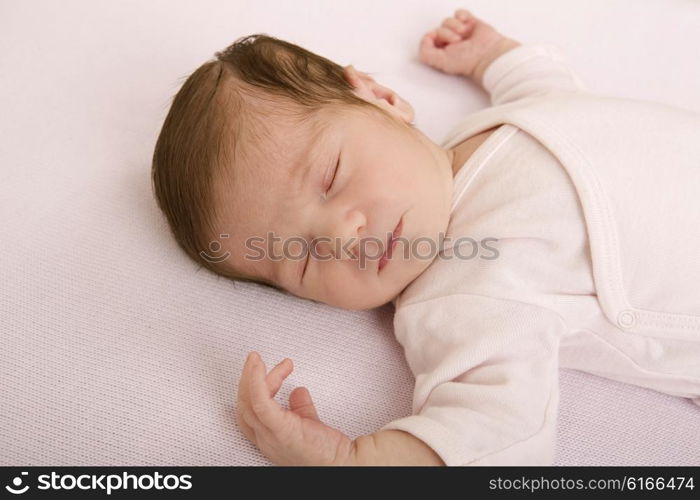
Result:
x=369 y=90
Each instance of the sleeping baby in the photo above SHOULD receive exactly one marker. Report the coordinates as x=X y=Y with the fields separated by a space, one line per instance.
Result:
x=554 y=229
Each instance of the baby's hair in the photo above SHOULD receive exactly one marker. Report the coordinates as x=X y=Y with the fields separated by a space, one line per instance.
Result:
x=218 y=106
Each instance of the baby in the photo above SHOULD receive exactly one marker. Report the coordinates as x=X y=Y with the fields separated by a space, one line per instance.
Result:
x=554 y=229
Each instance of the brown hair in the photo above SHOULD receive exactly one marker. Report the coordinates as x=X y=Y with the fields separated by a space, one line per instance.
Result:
x=199 y=131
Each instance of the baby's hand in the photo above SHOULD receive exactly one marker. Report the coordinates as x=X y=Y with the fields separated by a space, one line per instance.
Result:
x=287 y=437
x=463 y=45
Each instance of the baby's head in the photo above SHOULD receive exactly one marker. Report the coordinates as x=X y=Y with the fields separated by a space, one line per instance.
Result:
x=244 y=170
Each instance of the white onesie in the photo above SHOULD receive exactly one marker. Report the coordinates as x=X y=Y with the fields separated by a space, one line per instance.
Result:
x=487 y=326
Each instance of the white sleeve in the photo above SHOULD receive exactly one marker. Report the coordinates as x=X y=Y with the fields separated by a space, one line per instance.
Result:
x=487 y=379
x=529 y=70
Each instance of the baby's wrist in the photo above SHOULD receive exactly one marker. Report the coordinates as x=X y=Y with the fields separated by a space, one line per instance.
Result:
x=494 y=52
x=391 y=447
x=357 y=455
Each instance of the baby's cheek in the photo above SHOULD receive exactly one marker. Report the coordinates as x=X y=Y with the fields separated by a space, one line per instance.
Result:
x=340 y=279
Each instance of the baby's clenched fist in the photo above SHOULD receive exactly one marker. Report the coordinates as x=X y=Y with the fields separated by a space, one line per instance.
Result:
x=463 y=45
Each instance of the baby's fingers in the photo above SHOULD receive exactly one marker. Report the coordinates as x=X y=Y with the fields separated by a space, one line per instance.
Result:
x=463 y=14
x=430 y=53
x=274 y=378
x=277 y=375
x=267 y=410
x=461 y=28
x=446 y=35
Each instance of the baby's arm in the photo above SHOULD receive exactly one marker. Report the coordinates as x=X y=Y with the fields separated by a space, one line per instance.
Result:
x=392 y=447
x=486 y=372
x=298 y=437
x=464 y=45
x=508 y=71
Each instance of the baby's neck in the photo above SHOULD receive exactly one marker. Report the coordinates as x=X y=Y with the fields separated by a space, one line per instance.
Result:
x=466 y=148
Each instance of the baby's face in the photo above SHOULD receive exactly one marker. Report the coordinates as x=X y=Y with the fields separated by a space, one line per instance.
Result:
x=320 y=233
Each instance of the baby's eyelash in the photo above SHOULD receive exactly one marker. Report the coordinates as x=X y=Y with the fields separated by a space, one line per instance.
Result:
x=335 y=173
x=306 y=264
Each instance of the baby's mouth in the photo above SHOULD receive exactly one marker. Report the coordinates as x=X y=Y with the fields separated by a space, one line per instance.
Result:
x=391 y=243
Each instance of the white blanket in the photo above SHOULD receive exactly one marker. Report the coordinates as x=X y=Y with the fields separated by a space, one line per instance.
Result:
x=115 y=351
